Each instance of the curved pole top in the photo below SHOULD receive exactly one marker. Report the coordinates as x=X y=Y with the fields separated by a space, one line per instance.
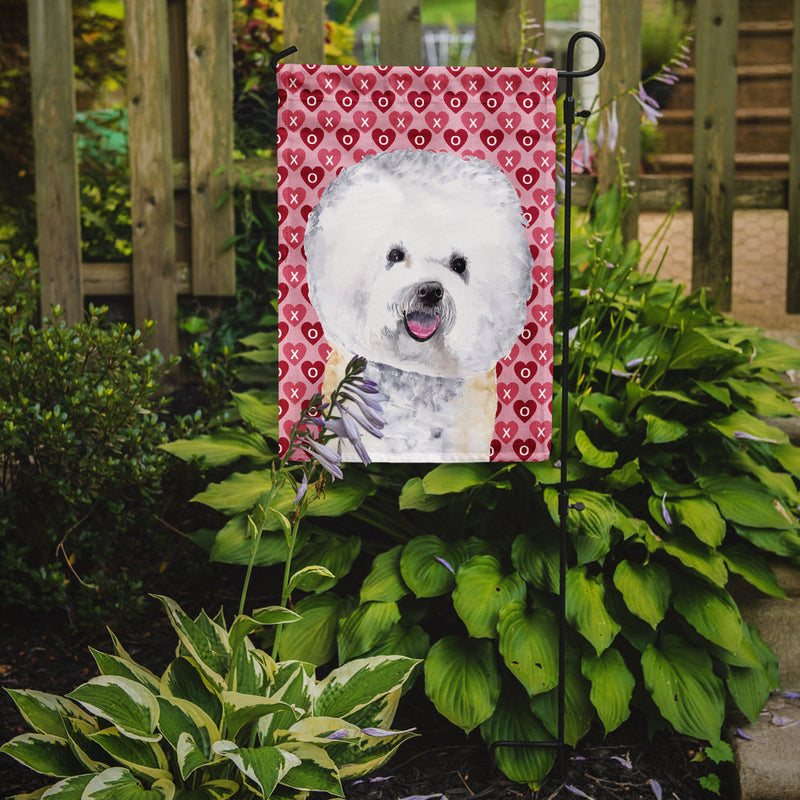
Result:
x=570 y=72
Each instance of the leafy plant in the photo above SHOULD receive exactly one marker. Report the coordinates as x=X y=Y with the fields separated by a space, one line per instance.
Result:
x=223 y=720
x=79 y=429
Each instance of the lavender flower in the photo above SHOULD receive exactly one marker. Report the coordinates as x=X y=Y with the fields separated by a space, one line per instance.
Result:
x=608 y=132
x=664 y=512
x=301 y=489
x=445 y=563
x=655 y=787
x=648 y=105
x=327 y=458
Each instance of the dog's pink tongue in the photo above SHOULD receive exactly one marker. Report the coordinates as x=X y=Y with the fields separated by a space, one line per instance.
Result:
x=422 y=326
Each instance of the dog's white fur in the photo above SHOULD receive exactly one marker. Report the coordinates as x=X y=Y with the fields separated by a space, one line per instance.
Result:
x=418 y=261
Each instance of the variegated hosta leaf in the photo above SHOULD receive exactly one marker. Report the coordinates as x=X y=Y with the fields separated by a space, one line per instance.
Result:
x=586 y=608
x=316 y=771
x=44 y=753
x=710 y=610
x=683 y=685
x=612 y=686
x=529 y=645
x=294 y=685
x=513 y=721
x=334 y=554
x=145 y=759
x=262 y=766
x=373 y=753
x=646 y=589
x=385 y=581
x=462 y=680
x=204 y=641
x=126 y=704
x=78 y=733
x=244 y=625
x=365 y=627
x=212 y=790
x=242 y=709
x=45 y=712
x=180 y=717
x=252 y=670
x=358 y=683
x=68 y=789
x=183 y=679
x=117 y=783
x=125 y=668
x=481 y=591
x=190 y=755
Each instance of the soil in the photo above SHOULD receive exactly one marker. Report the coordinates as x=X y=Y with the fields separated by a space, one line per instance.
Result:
x=45 y=654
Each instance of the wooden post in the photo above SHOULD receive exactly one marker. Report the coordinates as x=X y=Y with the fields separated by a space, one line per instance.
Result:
x=152 y=202
x=621 y=28
x=401 y=33
x=714 y=147
x=498 y=32
x=535 y=12
x=56 y=160
x=210 y=53
x=304 y=27
x=793 y=267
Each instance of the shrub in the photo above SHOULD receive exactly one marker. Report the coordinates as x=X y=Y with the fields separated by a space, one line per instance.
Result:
x=79 y=429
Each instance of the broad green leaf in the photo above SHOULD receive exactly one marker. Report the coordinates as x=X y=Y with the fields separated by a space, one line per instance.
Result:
x=182 y=679
x=578 y=710
x=385 y=582
x=178 y=717
x=771 y=354
x=780 y=484
x=481 y=591
x=683 y=685
x=212 y=790
x=44 y=712
x=356 y=684
x=448 y=478
x=608 y=410
x=313 y=638
x=788 y=456
x=144 y=759
x=78 y=732
x=709 y=609
x=399 y=640
x=125 y=668
x=612 y=687
x=589 y=526
x=252 y=670
x=44 y=753
x=223 y=446
x=512 y=721
x=740 y=422
x=529 y=645
x=691 y=553
x=428 y=565
x=746 y=561
x=312 y=577
x=586 y=609
x=766 y=401
x=261 y=416
x=462 y=680
x=241 y=709
x=625 y=477
x=744 y=502
x=696 y=349
x=264 y=766
x=335 y=553
x=716 y=391
x=646 y=589
x=234 y=545
x=294 y=684
x=780 y=542
x=365 y=628
x=67 y=789
x=663 y=431
x=414 y=497
x=207 y=644
x=270 y=615
x=117 y=783
x=537 y=561
x=749 y=688
x=591 y=455
x=701 y=517
x=316 y=771
x=126 y=704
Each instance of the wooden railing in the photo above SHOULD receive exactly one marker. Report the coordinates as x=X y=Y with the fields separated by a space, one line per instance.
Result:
x=181 y=133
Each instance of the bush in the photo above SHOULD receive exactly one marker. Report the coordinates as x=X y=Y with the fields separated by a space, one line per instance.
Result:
x=79 y=430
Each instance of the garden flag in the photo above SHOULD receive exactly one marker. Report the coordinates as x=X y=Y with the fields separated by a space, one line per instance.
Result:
x=416 y=215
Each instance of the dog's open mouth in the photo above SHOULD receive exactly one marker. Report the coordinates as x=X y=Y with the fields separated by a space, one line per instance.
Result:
x=420 y=325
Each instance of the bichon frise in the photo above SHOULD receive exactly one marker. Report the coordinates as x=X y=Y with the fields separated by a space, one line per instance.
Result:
x=418 y=261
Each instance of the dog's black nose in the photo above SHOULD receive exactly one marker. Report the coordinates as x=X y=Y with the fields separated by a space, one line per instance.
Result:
x=430 y=293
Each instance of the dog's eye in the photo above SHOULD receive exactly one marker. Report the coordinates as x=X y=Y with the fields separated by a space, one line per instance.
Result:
x=395 y=255
x=458 y=264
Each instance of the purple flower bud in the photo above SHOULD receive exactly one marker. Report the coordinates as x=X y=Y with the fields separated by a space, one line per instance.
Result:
x=664 y=512
x=445 y=564
x=327 y=458
x=342 y=733
x=301 y=489
x=655 y=786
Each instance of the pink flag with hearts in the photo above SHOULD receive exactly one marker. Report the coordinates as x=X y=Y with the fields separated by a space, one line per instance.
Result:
x=416 y=223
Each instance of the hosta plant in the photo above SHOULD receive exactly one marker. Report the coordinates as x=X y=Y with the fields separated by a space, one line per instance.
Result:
x=224 y=720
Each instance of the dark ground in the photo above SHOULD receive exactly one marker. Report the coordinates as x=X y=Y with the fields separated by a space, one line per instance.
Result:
x=44 y=654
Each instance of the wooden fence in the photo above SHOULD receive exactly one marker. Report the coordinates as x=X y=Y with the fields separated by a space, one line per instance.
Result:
x=181 y=133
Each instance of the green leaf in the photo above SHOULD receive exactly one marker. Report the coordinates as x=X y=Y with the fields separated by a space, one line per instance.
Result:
x=746 y=561
x=740 y=422
x=462 y=680
x=714 y=390
x=244 y=625
x=608 y=410
x=749 y=688
x=264 y=766
x=334 y=553
x=782 y=543
x=414 y=497
x=770 y=354
x=422 y=567
x=743 y=501
x=44 y=753
x=663 y=431
x=179 y=717
x=145 y=759
x=691 y=553
x=709 y=609
x=766 y=401
x=646 y=589
x=399 y=640
x=261 y=416
x=591 y=456
x=125 y=668
x=448 y=478
x=241 y=709
x=537 y=560
x=234 y=545
x=627 y=476
x=126 y=704
x=385 y=582
x=586 y=608
x=512 y=721
x=182 y=679
x=44 y=712
x=212 y=790
x=701 y=517
x=529 y=645
x=68 y=789
x=612 y=687
x=481 y=591
x=223 y=446
x=683 y=685
x=316 y=772
x=117 y=783
x=365 y=627
x=313 y=638
x=696 y=349
x=788 y=456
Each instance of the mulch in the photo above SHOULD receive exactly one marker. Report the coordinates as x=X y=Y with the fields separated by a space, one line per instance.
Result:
x=45 y=654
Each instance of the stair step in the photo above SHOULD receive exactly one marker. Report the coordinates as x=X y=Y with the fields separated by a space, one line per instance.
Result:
x=765 y=41
x=753 y=10
x=767 y=165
